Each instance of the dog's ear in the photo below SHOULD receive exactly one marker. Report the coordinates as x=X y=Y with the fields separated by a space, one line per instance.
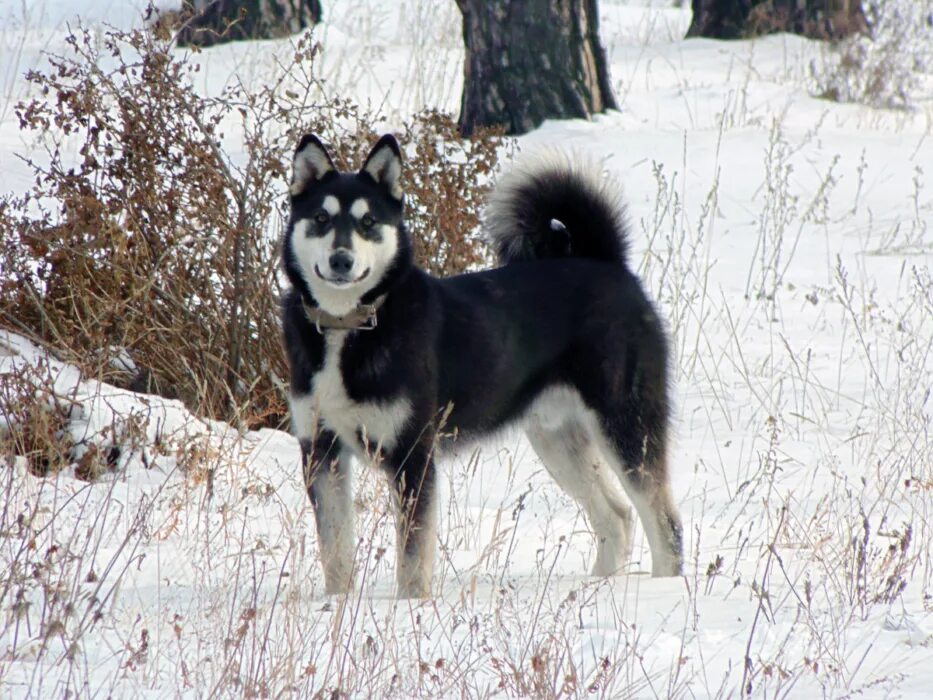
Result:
x=311 y=164
x=384 y=165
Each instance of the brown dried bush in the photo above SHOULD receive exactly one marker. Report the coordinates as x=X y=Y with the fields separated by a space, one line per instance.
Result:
x=159 y=244
x=448 y=178
x=883 y=66
x=33 y=421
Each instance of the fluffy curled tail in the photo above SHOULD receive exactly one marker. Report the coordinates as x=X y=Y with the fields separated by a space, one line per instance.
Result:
x=557 y=208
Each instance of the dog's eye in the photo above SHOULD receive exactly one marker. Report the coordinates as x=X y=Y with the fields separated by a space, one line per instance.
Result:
x=321 y=217
x=368 y=221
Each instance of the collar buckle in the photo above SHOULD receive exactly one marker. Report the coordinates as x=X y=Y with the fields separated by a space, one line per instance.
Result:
x=370 y=320
x=362 y=318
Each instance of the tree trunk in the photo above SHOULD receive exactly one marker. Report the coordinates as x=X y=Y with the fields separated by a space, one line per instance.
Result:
x=740 y=19
x=531 y=60
x=209 y=22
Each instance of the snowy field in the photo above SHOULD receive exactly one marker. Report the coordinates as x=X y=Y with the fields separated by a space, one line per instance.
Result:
x=788 y=241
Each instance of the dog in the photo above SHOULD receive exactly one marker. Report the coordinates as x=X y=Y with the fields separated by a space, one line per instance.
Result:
x=559 y=339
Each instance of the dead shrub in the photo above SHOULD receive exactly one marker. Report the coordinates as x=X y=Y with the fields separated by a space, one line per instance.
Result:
x=33 y=421
x=447 y=181
x=883 y=66
x=54 y=425
x=828 y=20
x=158 y=243
x=151 y=243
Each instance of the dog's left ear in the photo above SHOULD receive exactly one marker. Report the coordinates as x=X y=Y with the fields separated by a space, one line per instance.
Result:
x=384 y=165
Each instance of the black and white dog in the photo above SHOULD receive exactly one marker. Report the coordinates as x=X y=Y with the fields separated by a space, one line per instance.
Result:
x=560 y=340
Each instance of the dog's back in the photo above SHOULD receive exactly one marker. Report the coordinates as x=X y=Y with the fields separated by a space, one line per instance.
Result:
x=589 y=347
x=560 y=340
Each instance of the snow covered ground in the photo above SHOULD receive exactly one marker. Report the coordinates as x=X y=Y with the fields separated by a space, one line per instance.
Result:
x=788 y=241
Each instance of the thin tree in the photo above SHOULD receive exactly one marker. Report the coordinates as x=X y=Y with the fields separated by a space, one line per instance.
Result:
x=209 y=22
x=531 y=60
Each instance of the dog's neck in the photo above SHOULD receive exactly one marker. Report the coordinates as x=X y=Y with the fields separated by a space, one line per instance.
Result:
x=362 y=318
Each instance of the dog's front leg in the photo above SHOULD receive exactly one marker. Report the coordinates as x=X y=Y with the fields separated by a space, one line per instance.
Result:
x=327 y=474
x=416 y=522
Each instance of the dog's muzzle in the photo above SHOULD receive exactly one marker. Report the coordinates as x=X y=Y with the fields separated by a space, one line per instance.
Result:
x=341 y=262
x=339 y=266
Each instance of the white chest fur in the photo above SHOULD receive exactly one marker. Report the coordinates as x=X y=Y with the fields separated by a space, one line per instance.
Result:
x=378 y=422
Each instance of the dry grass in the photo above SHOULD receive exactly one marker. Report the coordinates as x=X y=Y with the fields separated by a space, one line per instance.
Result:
x=33 y=421
x=884 y=66
x=804 y=459
x=160 y=245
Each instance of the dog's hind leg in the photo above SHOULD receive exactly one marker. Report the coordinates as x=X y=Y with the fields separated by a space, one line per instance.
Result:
x=636 y=447
x=327 y=475
x=571 y=458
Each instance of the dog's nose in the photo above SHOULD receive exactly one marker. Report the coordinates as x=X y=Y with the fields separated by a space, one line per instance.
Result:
x=341 y=262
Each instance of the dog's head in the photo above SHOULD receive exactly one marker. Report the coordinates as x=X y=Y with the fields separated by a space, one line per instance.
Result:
x=345 y=233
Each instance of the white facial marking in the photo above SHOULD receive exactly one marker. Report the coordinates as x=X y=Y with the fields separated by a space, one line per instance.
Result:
x=371 y=261
x=388 y=231
x=331 y=205
x=359 y=208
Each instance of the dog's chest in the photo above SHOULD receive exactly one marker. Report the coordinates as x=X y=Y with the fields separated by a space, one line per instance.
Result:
x=378 y=422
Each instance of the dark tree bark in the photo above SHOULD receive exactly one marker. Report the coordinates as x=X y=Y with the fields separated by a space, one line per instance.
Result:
x=531 y=60
x=209 y=22
x=740 y=19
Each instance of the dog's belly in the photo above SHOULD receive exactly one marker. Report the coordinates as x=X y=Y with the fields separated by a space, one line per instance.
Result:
x=359 y=424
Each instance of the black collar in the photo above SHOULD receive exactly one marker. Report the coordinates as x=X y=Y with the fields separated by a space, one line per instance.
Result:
x=362 y=318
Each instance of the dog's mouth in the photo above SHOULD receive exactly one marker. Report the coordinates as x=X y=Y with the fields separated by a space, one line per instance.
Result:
x=341 y=280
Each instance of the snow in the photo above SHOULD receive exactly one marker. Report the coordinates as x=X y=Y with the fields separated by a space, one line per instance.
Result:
x=788 y=242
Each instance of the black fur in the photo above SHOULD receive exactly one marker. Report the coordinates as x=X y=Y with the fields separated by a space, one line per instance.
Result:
x=479 y=348
x=557 y=208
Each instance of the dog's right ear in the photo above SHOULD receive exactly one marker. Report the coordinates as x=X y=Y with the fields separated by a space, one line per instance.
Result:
x=311 y=164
